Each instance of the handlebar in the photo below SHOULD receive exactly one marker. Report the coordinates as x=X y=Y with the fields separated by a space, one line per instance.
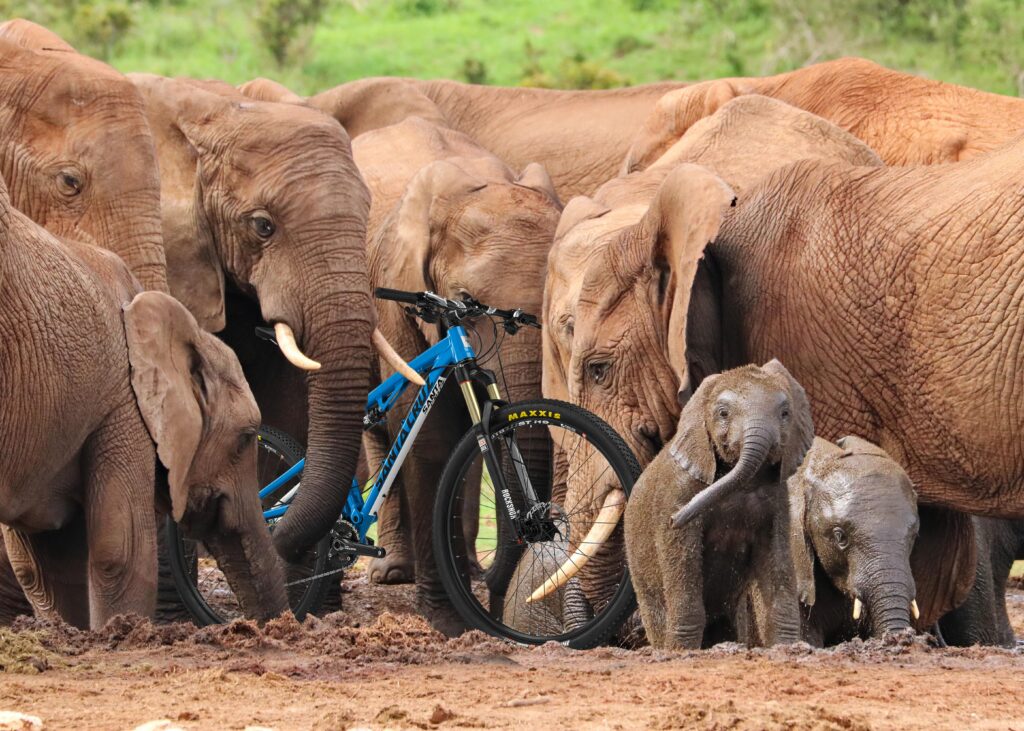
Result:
x=430 y=307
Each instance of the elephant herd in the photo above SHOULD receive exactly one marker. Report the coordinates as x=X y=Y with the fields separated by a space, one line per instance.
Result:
x=856 y=230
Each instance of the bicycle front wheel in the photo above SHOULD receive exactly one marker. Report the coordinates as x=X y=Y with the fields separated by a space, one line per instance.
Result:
x=559 y=573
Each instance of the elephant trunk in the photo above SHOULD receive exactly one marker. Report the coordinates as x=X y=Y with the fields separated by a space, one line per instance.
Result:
x=337 y=336
x=889 y=598
x=758 y=440
x=252 y=569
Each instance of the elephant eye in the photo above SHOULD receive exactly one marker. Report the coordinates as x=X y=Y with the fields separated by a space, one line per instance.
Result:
x=841 y=539
x=722 y=412
x=70 y=184
x=263 y=226
x=598 y=371
x=785 y=413
x=245 y=440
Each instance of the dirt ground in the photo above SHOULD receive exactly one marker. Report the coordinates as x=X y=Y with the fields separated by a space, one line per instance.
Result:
x=362 y=669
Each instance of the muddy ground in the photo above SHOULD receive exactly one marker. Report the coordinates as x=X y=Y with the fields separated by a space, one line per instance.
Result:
x=362 y=669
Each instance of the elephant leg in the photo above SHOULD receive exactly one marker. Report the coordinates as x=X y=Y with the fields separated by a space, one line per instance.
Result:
x=119 y=518
x=680 y=559
x=773 y=594
x=13 y=602
x=576 y=610
x=51 y=568
x=421 y=474
x=399 y=565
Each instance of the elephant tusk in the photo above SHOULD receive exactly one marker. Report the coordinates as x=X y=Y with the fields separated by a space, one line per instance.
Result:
x=856 y=608
x=285 y=337
x=396 y=361
x=604 y=525
x=914 y=610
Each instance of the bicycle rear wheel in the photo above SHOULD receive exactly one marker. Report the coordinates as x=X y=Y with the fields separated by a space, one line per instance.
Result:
x=581 y=472
x=203 y=587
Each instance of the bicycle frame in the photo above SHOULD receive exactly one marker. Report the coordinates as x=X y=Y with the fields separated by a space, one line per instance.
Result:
x=452 y=353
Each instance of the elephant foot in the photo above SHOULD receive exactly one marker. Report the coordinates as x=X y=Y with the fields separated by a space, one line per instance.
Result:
x=394 y=568
x=442 y=617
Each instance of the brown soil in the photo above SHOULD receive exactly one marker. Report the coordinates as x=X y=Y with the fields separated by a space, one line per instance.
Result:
x=358 y=668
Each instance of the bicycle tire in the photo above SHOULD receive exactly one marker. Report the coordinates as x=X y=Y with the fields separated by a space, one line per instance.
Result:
x=446 y=539
x=305 y=599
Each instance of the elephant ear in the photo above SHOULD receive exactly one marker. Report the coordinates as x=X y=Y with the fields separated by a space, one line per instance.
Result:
x=683 y=218
x=691 y=447
x=188 y=387
x=267 y=90
x=801 y=434
x=182 y=117
x=799 y=543
x=535 y=177
x=406 y=259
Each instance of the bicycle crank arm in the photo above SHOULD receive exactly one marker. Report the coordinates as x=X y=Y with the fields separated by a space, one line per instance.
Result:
x=350 y=548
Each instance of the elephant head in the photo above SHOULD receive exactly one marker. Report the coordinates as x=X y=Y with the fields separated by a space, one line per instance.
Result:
x=268 y=196
x=76 y=149
x=747 y=418
x=469 y=227
x=200 y=413
x=854 y=513
x=627 y=362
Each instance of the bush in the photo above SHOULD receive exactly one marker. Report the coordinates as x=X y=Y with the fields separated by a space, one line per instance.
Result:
x=285 y=25
x=426 y=7
x=474 y=71
x=100 y=27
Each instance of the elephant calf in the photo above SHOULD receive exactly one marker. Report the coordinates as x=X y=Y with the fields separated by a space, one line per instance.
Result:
x=724 y=554
x=854 y=521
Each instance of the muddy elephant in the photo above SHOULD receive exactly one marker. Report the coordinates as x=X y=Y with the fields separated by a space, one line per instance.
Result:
x=87 y=395
x=982 y=619
x=707 y=525
x=906 y=119
x=449 y=217
x=559 y=612
x=264 y=221
x=854 y=524
x=580 y=137
x=76 y=150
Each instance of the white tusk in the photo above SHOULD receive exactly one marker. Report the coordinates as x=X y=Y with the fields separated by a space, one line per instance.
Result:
x=856 y=608
x=604 y=525
x=389 y=354
x=914 y=610
x=286 y=342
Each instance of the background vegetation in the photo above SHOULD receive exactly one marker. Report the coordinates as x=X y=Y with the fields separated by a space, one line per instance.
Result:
x=313 y=44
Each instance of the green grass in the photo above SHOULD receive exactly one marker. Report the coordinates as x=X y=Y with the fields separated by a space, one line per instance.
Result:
x=562 y=42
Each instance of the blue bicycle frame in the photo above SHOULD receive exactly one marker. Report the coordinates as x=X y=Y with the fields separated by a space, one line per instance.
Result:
x=436 y=364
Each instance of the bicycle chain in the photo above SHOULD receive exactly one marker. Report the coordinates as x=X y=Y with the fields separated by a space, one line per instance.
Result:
x=314 y=577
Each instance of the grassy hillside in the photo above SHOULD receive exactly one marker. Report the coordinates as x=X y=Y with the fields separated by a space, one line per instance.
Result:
x=570 y=43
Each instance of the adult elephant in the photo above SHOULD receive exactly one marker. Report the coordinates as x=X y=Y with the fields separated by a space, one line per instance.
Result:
x=580 y=137
x=906 y=119
x=80 y=394
x=450 y=217
x=264 y=220
x=856 y=279
x=76 y=150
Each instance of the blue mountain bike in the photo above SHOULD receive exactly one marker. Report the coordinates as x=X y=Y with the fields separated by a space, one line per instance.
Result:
x=527 y=518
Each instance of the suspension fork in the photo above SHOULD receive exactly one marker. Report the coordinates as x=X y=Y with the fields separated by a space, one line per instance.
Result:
x=481 y=418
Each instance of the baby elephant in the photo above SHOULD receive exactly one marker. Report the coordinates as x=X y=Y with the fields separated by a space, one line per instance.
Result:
x=854 y=522
x=707 y=524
